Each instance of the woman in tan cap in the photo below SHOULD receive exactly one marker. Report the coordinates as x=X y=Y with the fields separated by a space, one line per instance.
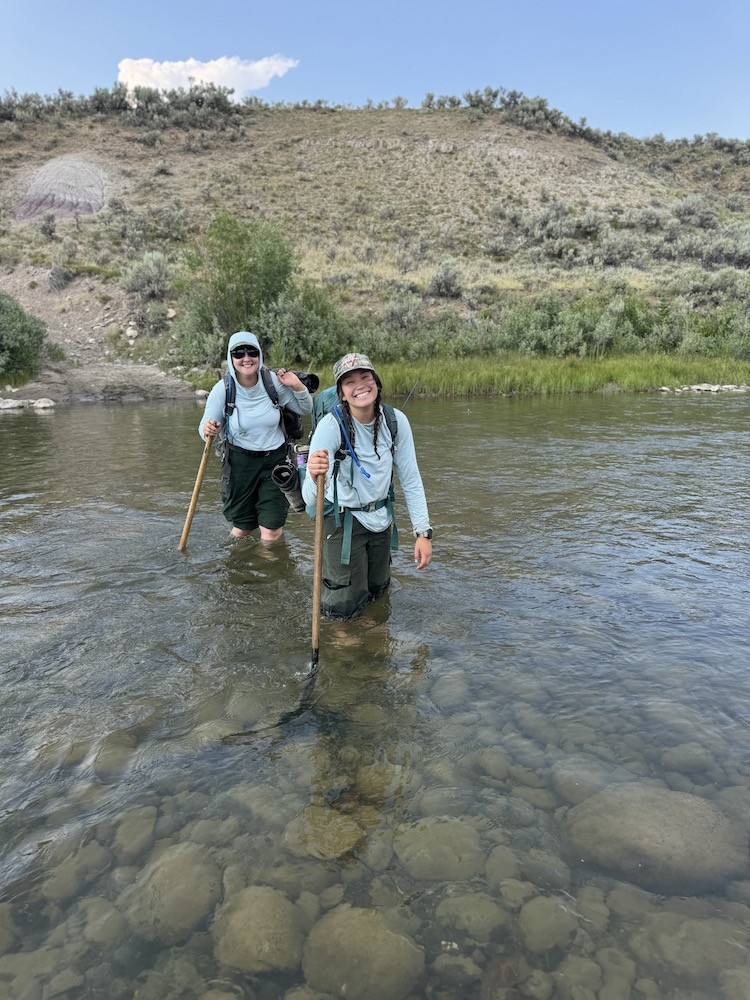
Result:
x=358 y=447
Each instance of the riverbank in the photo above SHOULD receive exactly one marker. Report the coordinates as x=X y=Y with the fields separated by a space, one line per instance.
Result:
x=123 y=381
x=101 y=382
x=513 y=374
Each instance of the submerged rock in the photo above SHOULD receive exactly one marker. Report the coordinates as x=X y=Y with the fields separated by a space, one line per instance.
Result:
x=104 y=925
x=669 y=944
x=665 y=841
x=546 y=922
x=474 y=913
x=173 y=894
x=76 y=871
x=259 y=930
x=443 y=848
x=577 y=778
x=135 y=833
x=322 y=833
x=353 y=953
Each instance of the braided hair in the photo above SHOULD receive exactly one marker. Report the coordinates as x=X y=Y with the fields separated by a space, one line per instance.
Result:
x=350 y=421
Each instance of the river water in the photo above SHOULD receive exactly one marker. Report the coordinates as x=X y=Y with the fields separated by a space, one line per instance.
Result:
x=583 y=625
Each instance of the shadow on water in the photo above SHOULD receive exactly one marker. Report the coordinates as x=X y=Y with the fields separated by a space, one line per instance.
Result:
x=582 y=626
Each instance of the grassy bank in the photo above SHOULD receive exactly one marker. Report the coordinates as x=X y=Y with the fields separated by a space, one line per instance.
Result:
x=489 y=376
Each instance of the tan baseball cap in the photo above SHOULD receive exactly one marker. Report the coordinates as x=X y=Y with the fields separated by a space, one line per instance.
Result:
x=352 y=363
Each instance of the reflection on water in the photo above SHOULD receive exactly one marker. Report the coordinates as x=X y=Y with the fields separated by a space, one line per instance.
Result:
x=437 y=824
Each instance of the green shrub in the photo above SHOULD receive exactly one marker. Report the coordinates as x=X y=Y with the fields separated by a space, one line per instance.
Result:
x=21 y=340
x=48 y=225
x=446 y=282
x=148 y=279
x=404 y=312
x=694 y=211
x=66 y=252
x=59 y=277
x=302 y=326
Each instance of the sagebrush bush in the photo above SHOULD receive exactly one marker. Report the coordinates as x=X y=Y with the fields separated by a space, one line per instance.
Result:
x=148 y=279
x=403 y=312
x=21 y=341
x=48 y=225
x=59 y=277
x=66 y=252
x=446 y=282
x=695 y=211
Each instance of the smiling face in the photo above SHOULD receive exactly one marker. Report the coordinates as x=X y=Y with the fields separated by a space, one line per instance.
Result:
x=246 y=366
x=360 y=390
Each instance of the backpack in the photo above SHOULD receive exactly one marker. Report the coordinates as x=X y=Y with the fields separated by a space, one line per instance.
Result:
x=291 y=422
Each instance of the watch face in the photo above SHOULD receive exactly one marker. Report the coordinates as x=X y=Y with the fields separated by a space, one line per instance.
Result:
x=427 y=534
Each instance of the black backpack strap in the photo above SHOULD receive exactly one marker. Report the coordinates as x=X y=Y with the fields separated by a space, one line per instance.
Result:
x=230 y=394
x=273 y=395
x=268 y=385
x=222 y=438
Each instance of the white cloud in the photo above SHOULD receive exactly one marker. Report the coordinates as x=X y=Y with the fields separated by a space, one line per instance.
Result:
x=228 y=71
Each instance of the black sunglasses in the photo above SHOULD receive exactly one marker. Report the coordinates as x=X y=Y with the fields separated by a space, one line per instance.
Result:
x=240 y=352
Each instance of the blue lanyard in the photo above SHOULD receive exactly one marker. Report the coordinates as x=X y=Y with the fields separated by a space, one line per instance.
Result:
x=342 y=424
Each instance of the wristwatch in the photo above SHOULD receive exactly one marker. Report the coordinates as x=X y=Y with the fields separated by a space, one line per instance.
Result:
x=424 y=534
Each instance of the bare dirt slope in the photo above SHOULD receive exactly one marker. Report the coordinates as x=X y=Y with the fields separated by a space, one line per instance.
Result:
x=80 y=320
x=82 y=317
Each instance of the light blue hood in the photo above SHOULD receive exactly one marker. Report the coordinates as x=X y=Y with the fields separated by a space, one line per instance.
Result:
x=236 y=340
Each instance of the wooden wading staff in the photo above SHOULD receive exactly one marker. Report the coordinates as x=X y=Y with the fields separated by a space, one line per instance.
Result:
x=320 y=486
x=196 y=491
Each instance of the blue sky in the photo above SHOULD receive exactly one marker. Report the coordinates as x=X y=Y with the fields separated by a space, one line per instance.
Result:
x=641 y=66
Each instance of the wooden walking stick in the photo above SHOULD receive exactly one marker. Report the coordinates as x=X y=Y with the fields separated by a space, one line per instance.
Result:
x=317 y=577
x=196 y=491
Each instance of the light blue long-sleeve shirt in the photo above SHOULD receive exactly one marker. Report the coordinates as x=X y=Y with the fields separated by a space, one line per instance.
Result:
x=354 y=489
x=255 y=423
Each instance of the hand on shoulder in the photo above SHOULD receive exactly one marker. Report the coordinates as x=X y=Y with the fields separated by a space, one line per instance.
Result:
x=290 y=380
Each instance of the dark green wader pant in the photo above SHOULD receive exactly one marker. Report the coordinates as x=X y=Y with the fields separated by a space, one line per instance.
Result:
x=253 y=498
x=346 y=589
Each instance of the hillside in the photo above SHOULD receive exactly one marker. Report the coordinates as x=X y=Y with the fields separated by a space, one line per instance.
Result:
x=377 y=204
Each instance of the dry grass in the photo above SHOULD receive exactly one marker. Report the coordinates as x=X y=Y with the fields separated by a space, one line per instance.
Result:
x=373 y=201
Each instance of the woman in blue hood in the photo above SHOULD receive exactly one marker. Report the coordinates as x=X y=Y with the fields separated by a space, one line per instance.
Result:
x=255 y=439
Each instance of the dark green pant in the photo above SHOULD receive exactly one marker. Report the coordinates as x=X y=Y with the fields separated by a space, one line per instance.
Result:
x=253 y=497
x=346 y=589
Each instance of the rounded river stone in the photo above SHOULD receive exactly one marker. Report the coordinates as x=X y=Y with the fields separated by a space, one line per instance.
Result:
x=173 y=894
x=353 y=953
x=665 y=841
x=259 y=930
x=442 y=847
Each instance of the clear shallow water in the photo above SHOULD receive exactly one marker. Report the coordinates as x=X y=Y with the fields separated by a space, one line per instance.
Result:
x=586 y=611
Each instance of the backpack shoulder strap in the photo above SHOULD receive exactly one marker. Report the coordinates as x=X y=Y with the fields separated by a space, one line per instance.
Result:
x=230 y=394
x=390 y=419
x=268 y=385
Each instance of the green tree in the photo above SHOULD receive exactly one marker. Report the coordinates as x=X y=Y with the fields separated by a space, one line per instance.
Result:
x=235 y=270
x=21 y=340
